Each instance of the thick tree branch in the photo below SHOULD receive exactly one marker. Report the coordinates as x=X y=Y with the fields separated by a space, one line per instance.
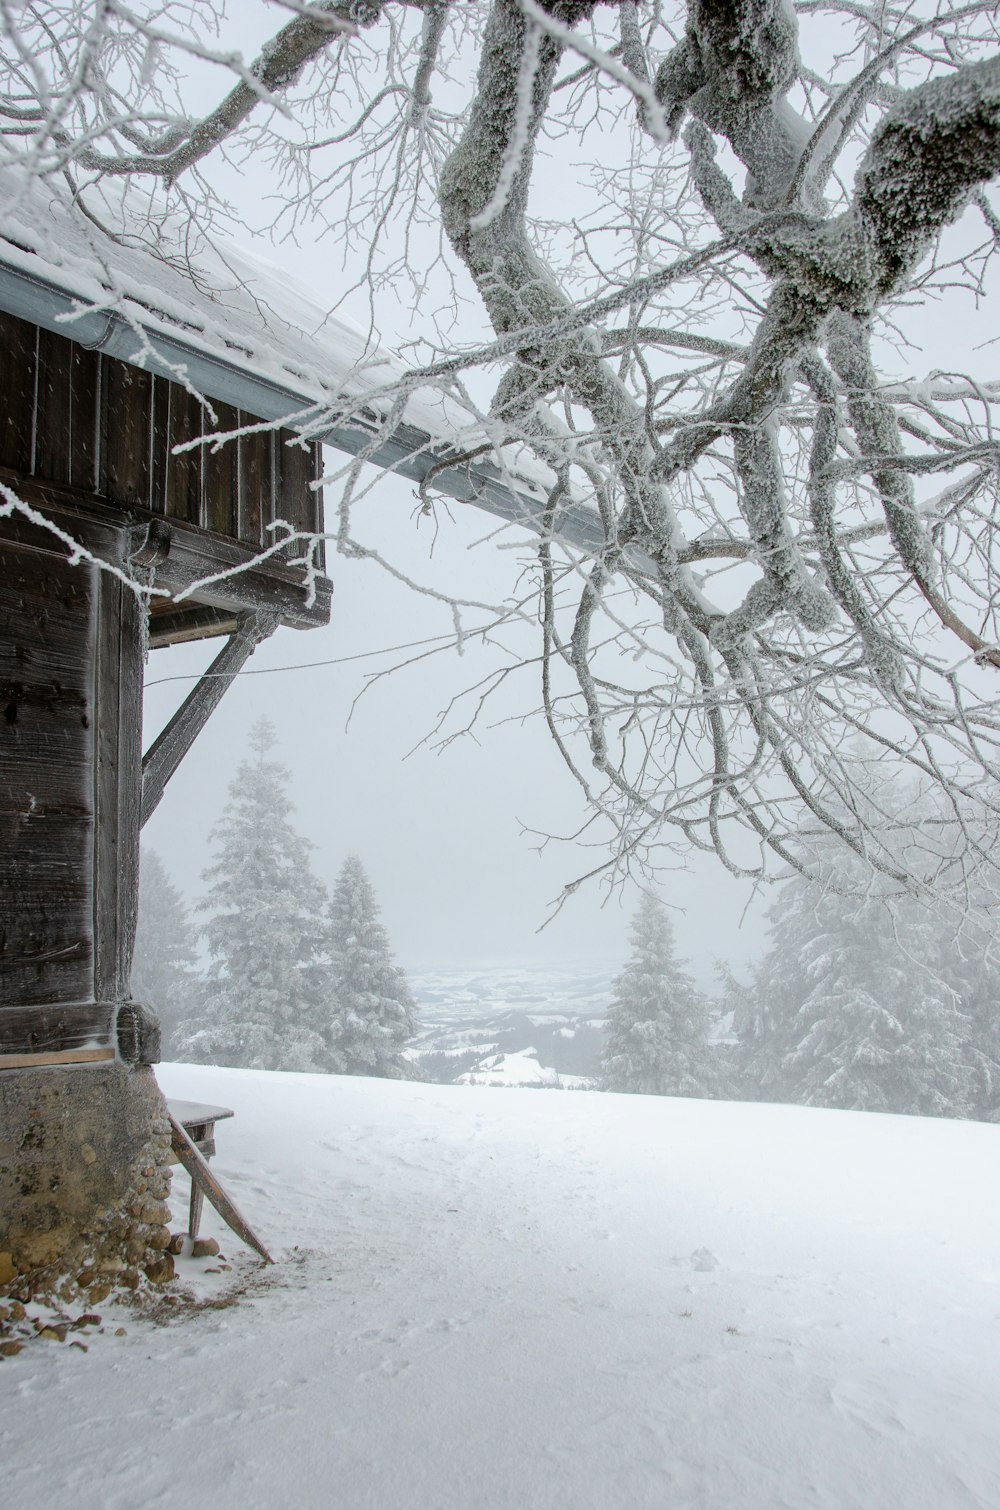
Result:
x=877 y=430
x=937 y=145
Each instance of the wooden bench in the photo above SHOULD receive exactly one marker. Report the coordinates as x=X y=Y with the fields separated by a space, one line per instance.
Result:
x=198 y=1121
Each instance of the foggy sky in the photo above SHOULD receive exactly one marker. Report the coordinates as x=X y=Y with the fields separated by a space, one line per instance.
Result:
x=440 y=832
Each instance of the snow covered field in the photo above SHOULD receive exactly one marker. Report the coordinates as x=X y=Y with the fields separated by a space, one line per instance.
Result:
x=529 y=1301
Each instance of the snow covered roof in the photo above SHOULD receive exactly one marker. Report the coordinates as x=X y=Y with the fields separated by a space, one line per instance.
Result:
x=241 y=331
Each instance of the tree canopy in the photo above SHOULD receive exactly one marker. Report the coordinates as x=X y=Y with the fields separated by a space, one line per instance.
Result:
x=706 y=344
x=867 y=997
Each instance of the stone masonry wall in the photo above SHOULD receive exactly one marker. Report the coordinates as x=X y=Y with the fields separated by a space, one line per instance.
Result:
x=84 y=1176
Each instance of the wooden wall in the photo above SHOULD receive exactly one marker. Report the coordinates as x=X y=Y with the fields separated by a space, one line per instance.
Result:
x=89 y=422
x=48 y=610
x=90 y=439
x=71 y=663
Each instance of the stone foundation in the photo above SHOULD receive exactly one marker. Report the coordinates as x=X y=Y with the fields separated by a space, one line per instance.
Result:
x=84 y=1178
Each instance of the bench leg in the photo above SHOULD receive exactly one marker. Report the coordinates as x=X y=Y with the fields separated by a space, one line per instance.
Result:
x=194 y=1212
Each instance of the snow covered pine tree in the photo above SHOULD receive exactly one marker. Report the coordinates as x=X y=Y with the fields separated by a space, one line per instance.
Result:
x=265 y=1000
x=373 y=1010
x=164 y=966
x=850 y=1007
x=658 y=1021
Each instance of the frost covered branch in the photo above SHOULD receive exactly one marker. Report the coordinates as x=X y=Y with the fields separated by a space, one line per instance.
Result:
x=703 y=239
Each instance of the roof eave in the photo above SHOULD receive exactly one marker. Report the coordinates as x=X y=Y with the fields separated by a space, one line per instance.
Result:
x=408 y=451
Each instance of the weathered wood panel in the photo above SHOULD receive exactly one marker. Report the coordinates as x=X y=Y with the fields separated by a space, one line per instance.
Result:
x=83 y=431
x=117 y=779
x=54 y=408
x=18 y=373
x=126 y=427
x=46 y=802
x=184 y=472
x=61 y=1029
x=170 y=624
x=221 y=478
x=159 y=446
x=85 y=434
x=192 y=555
x=56 y=383
x=91 y=422
x=255 y=479
x=293 y=501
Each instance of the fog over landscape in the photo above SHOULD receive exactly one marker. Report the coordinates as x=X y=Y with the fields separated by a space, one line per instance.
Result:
x=443 y=833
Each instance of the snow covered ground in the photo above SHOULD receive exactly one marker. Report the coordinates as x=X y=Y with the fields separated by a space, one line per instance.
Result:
x=528 y=1301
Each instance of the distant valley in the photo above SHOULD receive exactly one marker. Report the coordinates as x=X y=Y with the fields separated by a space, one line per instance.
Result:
x=504 y=1026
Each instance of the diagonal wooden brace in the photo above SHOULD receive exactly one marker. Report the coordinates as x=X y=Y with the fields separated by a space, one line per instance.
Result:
x=170 y=746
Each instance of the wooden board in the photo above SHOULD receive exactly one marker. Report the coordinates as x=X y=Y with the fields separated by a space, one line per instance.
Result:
x=117 y=784
x=43 y=1061
x=58 y=1028
x=89 y=421
x=18 y=371
x=126 y=425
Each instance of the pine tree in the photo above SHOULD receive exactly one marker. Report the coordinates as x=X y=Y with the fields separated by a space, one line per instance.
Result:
x=267 y=994
x=967 y=957
x=164 y=966
x=658 y=1022
x=853 y=1008
x=373 y=1014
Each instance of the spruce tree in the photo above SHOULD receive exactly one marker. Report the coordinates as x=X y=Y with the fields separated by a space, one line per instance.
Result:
x=373 y=1011
x=267 y=994
x=164 y=965
x=966 y=956
x=658 y=1023
x=854 y=1009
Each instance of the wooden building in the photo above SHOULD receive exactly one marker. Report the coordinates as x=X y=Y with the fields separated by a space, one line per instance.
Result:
x=88 y=440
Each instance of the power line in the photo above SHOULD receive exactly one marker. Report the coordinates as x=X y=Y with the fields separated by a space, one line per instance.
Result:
x=340 y=660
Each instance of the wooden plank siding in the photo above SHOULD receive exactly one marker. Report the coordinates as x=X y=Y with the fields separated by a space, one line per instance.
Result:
x=47 y=608
x=19 y=358
x=71 y=654
x=98 y=425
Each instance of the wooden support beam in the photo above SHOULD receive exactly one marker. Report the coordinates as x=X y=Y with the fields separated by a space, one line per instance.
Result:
x=272 y=587
x=169 y=748
x=53 y=1060
x=116 y=776
x=48 y=1033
